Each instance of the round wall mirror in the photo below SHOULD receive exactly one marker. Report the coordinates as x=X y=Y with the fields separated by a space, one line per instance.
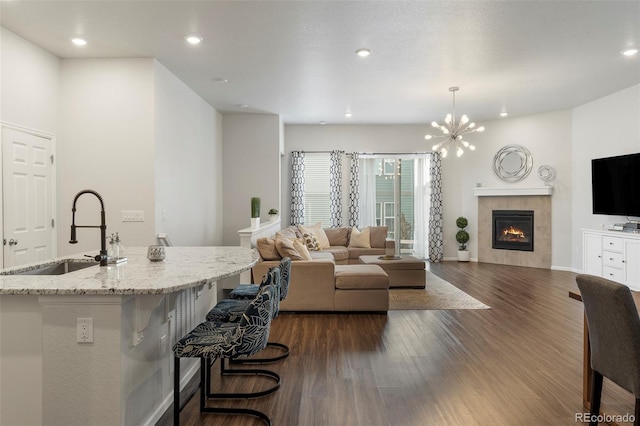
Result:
x=512 y=163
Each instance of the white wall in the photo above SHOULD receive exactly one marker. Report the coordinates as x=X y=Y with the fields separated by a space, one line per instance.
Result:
x=603 y=128
x=29 y=84
x=29 y=79
x=251 y=158
x=106 y=143
x=188 y=164
x=547 y=136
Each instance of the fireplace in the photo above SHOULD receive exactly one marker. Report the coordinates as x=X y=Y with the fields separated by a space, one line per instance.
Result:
x=512 y=230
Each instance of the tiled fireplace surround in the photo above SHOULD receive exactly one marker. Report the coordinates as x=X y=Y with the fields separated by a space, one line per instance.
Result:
x=541 y=206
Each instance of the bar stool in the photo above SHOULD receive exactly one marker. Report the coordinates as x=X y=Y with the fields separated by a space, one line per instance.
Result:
x=229 y=310
x=210 y=341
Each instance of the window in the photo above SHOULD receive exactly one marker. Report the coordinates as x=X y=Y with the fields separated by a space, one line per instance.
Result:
x=317 y=198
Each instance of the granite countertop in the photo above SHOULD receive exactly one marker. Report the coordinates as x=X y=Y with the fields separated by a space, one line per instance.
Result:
x=182 y=268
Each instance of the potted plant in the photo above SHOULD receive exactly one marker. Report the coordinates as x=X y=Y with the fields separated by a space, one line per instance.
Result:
x=462 y=237
x=255 y=212
x=273 y=214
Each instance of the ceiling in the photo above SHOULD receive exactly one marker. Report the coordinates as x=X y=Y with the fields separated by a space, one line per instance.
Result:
x=297 y=58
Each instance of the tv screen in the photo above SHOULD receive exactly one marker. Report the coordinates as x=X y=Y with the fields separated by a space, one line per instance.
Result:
x=615 y=185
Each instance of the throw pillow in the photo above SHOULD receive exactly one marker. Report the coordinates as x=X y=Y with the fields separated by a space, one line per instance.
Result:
x=267 y=249
x=302 y=249
x=378 y=236
x=321 y=236
x=311 y=241
x=285 y=247
x=337 y=236
x=360 y=239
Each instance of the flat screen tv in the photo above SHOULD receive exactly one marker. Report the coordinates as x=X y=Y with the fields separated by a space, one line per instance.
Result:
x=615 y=185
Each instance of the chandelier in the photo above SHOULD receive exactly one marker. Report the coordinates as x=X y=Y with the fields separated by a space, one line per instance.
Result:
x=452 y=132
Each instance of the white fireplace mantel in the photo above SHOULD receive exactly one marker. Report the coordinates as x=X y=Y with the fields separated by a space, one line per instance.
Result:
x=511 y=192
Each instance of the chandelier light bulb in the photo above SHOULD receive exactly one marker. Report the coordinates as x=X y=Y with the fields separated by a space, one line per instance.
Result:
x=453 y=132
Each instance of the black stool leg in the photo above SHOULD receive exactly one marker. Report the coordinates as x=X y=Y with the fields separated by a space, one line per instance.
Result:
x=224 y=371
x=285 y=353
x=176 y=391
x=596 y=394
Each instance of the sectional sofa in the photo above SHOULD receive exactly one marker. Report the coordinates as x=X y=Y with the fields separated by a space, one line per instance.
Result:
x=330 y=278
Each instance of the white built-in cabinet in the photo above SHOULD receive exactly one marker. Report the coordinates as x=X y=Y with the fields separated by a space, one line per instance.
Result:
x=613 y=255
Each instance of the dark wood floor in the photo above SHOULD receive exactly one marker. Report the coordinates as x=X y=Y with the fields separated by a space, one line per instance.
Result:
x=519 y=363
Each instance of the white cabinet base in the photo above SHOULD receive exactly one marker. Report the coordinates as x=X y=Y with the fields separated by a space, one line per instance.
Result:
x=613 y=255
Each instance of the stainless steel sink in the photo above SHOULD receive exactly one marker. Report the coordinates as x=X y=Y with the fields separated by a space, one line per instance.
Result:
x=57 y=268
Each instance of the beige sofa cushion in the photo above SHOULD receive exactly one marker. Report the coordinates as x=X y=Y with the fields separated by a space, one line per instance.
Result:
x=360 y=239
x=340 y=253
x=267 y=249
x=337 y=236
x=301 y=247
x=285 y=247
x=378 y=236
x=354 y=277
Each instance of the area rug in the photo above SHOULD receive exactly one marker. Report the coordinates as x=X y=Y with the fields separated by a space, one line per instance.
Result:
x=439 y=294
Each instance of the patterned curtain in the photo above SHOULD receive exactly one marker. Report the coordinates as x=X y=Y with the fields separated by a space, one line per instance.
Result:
x=435 y=210
x=335 y=183
x=297 y=187
x=354 y=190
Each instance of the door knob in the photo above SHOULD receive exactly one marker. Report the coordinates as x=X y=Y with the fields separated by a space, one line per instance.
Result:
x=13 y=242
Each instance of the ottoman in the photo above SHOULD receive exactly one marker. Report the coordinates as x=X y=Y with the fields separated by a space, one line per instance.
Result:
x=408 y=271
x=361 y=288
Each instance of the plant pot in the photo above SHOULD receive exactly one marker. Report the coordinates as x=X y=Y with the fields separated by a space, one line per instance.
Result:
x=255 y=222
x=273 y=217
x=463 y=255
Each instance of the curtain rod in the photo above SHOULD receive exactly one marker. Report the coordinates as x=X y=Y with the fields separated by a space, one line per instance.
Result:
x=367 y=153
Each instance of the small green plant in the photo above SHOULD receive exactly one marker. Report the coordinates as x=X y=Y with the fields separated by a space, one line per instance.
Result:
x=273 y=211
x=462 y=236
x=255 y=207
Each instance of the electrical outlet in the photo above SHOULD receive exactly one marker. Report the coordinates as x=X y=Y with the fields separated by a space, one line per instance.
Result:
x=84 y=330
x=133 y=215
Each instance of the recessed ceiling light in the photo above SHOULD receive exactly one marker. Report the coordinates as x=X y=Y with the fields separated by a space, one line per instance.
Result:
x=348 y=114
x=630 y=52
x=242 y=106
x=220 y=80
x=504 y=114
x=363 y=53
x=323 y=123
x=79 y=41
x=193 y=39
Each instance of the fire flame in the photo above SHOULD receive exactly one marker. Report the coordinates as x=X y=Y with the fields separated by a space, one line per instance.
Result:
x=512 y=233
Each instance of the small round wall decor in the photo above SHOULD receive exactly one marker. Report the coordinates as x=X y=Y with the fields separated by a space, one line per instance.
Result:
x=512 y=163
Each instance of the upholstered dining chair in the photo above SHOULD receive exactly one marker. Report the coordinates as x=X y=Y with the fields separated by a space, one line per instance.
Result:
x=210 y=341
x=614 y=335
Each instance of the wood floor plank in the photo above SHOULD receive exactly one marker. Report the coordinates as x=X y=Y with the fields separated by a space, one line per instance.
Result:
x=518 y=363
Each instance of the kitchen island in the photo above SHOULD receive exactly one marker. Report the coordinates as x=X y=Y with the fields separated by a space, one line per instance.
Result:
x=50 y=374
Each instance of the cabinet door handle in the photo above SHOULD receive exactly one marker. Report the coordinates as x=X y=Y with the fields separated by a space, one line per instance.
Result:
x=599 y=257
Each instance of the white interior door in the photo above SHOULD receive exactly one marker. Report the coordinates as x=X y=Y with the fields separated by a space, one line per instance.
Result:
x=28 y=197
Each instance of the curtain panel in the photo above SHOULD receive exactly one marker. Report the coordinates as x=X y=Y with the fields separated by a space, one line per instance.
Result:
x=436 y=250
x=297 y=187
x=335 y=185
x=354 y=190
